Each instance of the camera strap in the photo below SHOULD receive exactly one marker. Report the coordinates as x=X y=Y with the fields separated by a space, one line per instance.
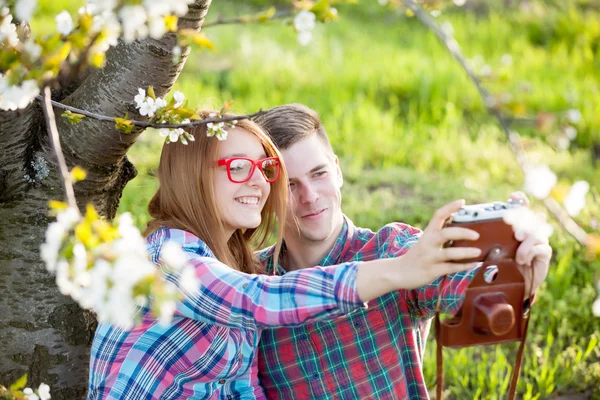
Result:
x=439 y=348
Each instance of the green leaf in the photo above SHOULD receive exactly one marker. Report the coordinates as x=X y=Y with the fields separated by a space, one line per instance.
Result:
x=226 y=106
x=151 y=92
x=73 y=118
x=266 y=15
x=201 y=40
x=124 y=124
x=19 y=384
x=320 y=6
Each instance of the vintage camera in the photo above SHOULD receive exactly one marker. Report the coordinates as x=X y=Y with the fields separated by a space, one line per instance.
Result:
x=493 y=309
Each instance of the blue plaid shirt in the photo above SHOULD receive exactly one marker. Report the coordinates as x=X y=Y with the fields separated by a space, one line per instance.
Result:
x=208 y=351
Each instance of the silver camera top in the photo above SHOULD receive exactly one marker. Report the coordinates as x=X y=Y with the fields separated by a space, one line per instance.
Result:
x=485 y=211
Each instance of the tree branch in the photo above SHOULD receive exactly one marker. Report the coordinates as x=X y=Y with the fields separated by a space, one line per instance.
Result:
x=143 y=124
x=244 y=19
x=65 y=176
x=512 y=137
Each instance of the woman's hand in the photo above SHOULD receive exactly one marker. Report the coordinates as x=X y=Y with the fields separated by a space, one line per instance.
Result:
x=428 y=260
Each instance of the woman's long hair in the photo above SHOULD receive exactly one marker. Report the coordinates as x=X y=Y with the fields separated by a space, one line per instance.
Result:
x=186 y=199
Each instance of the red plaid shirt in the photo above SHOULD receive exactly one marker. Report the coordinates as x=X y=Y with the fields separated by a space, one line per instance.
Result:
x=374 y=353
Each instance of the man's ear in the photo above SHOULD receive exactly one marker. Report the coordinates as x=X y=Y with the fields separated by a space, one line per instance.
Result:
x=339 y=175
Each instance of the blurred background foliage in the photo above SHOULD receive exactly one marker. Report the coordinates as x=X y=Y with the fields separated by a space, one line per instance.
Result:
x=412 y=133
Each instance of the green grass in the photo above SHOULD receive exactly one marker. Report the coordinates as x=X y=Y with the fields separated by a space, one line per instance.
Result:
x=412 y=133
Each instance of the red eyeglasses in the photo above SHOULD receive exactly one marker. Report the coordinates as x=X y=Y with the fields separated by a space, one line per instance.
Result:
x=240 y=169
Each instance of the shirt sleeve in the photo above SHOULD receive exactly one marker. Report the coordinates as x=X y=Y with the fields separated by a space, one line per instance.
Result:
x=423 y=300
x=235 y=299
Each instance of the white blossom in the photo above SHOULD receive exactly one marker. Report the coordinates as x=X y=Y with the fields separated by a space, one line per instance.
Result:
x=174 y=134
x=575 y=201
x=563 y=143
x=304 y=38
x=160 y=103
x=140 y=97
x=135 y=23
x=156 y=27
x=8 y=30
x=539 y=181
x=506 y=59
x=173 y=255
x=101 y=6
x=305 y=21
x=33 y=49
x=596 y=307
x=570 y=132
x=179 y=98
x=29 y=395
x=148 y=107
x=188 y=279
x=44 y=392
x=64 y=23
x=176 y=54
x=574 y=116
x=17 y=97
x=109 y=25
x=460 y=3
x=486 y=71
x=24 y=9
x=167 y=309
x=523 y=219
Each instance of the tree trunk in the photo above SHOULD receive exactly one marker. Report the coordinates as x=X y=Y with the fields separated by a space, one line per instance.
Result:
x=42 y=332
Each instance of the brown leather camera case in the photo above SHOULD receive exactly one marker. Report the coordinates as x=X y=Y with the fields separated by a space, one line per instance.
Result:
x=492 y=311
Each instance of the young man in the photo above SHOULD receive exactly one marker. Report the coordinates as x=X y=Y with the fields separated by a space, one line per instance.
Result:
x=373 y=353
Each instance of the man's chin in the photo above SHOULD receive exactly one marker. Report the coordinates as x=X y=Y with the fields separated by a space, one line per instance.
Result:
x=314 y=235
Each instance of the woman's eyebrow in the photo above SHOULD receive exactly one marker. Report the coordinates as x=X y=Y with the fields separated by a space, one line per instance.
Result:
x=245 y=155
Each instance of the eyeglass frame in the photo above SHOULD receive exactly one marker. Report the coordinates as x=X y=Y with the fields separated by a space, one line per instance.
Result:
x=255 y=163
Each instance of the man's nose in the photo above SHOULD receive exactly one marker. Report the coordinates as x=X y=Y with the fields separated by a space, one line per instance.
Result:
x=308 y=194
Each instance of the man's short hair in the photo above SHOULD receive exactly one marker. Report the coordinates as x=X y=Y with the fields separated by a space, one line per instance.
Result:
x=291 y=123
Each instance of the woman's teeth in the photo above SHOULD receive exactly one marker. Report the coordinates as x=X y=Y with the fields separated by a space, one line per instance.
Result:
x=248 y=200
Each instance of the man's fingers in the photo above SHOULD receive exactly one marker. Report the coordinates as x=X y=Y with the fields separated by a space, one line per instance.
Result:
x=455 y=233
x=524 y=249
x=459 y=253
x=523 y=255
x=442 y=214
x=518 y=195
x=542 y=251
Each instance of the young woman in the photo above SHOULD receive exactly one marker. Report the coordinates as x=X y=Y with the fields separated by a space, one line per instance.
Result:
x=215 y=197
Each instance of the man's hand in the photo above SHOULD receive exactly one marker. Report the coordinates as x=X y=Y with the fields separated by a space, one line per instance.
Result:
x=533 y=255
x=428 y=260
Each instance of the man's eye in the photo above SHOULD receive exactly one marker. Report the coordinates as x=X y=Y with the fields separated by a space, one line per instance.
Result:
x=320 y=173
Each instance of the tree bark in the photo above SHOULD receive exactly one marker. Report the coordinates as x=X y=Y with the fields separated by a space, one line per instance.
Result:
x=42 y=332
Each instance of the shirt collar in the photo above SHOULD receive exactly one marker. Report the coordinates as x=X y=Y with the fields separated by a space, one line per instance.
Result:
x=334 y=256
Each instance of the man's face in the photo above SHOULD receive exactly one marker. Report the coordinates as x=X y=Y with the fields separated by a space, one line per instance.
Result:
x=314 y=210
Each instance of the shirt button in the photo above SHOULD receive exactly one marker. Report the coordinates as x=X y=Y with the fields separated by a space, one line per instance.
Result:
x=222 y=381
x=241 y=356
x=245 y=285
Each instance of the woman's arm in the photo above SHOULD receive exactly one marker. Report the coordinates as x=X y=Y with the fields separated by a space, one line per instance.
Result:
x=238 y=300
